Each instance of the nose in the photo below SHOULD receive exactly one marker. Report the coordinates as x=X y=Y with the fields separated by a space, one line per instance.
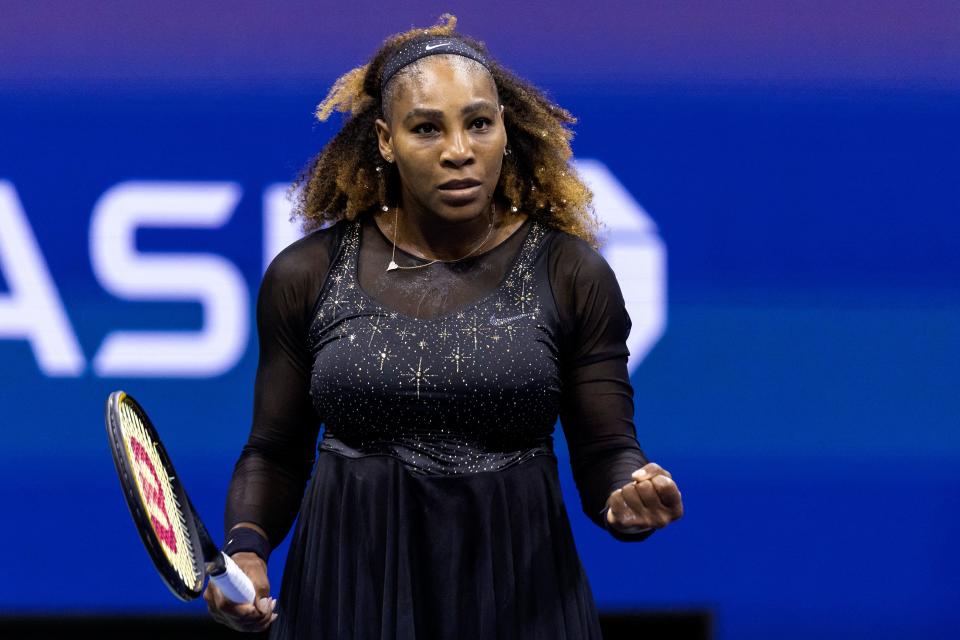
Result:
x=457 y=150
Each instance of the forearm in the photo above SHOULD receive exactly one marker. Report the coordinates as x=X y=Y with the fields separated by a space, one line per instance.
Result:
x=264 y=495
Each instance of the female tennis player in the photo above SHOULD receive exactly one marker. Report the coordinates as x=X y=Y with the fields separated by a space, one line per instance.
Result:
x=446 y=307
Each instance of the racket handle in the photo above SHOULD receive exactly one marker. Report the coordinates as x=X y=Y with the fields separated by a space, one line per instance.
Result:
x=233 y=582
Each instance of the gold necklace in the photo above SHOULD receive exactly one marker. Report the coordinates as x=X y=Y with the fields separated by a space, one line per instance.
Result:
x=396 y=232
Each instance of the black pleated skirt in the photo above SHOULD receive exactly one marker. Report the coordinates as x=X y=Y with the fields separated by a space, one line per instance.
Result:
x=380 y=552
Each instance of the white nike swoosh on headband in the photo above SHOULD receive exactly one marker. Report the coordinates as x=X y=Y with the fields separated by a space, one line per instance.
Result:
x=434 y=46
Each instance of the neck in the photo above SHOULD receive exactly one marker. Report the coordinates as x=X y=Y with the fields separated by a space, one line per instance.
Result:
x=435 y=238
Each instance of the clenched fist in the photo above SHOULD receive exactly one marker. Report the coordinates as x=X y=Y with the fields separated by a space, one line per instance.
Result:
x=651 y=501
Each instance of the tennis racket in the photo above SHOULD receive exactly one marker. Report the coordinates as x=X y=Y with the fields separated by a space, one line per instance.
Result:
x=175 y=537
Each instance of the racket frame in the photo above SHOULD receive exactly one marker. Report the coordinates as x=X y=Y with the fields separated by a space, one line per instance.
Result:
x=199 y=539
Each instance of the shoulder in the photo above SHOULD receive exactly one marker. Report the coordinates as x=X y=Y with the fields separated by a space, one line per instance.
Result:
x=294 y=278
x=573 y=259
x=593 y=317
x=303 y=258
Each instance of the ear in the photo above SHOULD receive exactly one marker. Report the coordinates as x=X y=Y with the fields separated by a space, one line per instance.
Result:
x=504 y=125
x=384 y=139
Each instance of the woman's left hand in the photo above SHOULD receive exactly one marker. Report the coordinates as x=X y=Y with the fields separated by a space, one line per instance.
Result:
x=651 y=501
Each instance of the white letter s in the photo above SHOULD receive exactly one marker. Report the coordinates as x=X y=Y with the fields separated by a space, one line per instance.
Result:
x=209 y=279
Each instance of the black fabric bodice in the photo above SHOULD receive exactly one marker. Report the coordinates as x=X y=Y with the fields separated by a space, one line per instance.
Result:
x=474 y=389
x=452 y=368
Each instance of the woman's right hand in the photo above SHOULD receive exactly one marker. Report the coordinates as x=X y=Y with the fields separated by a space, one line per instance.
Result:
x=244 y=617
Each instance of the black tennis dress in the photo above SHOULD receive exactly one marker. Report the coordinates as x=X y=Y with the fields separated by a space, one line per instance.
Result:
x=432 y=506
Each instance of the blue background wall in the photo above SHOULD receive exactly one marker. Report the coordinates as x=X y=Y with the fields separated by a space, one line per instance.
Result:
x=800 y=161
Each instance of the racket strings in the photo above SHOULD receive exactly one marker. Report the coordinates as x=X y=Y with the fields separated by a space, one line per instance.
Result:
x=158 y=497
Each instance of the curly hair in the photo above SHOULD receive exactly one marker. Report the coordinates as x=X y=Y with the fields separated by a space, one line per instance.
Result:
x=536 y=177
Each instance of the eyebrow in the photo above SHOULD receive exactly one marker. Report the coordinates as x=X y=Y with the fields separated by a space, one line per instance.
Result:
x=436 y=113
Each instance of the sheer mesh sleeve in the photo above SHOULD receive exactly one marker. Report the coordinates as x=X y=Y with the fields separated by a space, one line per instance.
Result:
x=597 y=406
x=275 y=463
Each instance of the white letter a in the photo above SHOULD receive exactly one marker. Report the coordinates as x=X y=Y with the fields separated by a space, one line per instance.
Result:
x=32 y=310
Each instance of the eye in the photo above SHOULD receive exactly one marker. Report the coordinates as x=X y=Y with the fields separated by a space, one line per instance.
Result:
x=417 y=129
x=486 y=122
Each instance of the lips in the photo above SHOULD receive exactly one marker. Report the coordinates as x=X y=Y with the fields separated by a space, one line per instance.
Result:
x=457 y=193
x=459 y=184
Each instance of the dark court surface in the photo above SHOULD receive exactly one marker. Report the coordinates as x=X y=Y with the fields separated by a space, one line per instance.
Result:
x=692 y=625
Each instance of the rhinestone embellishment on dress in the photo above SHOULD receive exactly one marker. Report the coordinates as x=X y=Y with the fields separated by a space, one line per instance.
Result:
x=471 y=390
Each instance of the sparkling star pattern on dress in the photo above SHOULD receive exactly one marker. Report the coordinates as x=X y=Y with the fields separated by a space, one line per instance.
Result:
x=477 y=389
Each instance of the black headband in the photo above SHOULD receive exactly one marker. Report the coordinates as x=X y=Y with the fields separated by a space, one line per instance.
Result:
x=413 y=51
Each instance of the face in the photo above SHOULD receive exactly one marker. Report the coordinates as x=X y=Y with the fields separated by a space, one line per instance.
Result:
x=445 y=126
